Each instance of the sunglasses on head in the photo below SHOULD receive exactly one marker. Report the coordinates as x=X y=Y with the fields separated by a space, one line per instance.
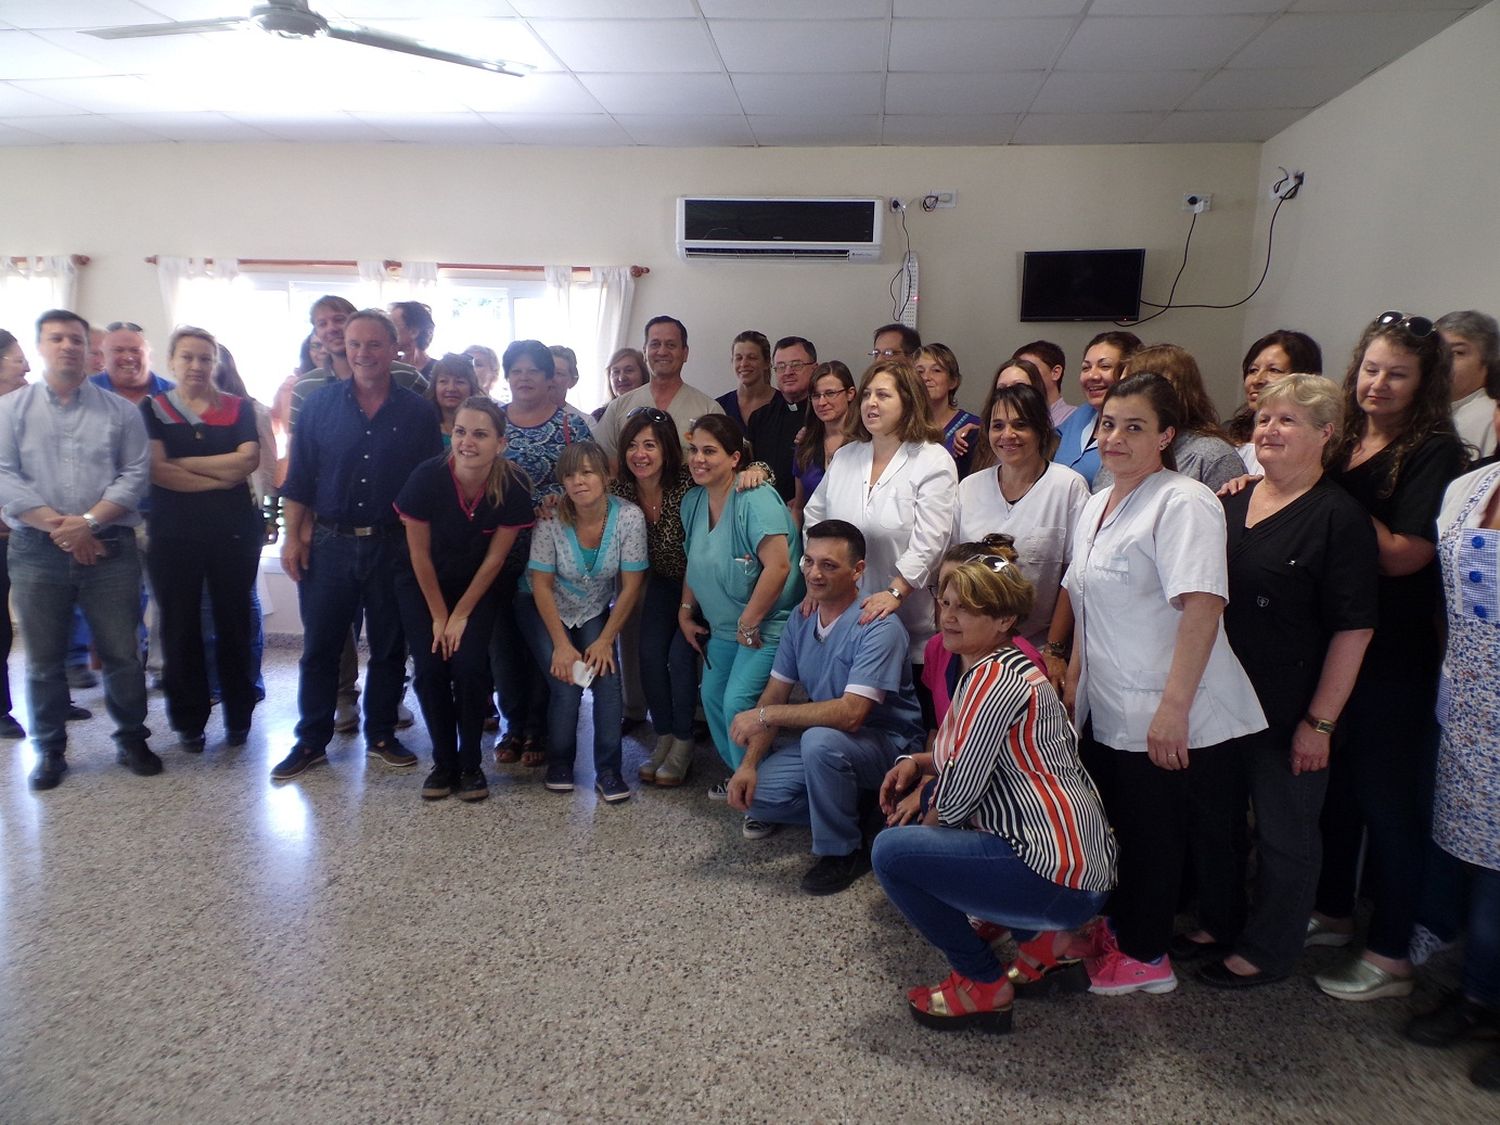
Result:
x=117 y=325
x=1418 y=326
x=650 y=413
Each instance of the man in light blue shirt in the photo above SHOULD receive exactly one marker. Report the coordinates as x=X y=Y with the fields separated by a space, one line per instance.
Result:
x=74 y=465
x=861 y=714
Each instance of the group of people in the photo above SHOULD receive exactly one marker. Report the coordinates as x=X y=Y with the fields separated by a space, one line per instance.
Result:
x=1041 y=668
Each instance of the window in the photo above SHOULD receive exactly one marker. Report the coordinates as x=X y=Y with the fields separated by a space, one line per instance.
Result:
x=263 y=317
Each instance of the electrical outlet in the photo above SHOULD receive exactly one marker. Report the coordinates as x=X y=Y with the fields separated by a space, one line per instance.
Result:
x=939 y=199
x=1288 y=184
x=1199 y=201
x=897 y=205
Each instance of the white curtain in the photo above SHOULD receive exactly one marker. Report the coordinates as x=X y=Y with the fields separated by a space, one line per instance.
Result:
x=31 y=286
x=591 y=313
x=197 y=291
x=413 y=281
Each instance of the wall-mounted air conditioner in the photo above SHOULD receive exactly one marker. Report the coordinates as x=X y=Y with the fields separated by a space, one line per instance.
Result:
x=836 y=229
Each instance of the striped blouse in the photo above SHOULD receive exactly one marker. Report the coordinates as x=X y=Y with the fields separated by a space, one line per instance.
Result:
x=1008 y=761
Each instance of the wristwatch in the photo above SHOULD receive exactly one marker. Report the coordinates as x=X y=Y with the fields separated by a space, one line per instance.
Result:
x=893 y=592
x=94 y=525
x=1322 y=726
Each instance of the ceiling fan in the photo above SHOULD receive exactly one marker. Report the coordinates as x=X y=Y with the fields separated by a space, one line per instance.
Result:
x=293 y=19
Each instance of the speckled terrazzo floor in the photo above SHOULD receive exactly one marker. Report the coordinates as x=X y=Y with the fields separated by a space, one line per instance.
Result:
x=203 y=947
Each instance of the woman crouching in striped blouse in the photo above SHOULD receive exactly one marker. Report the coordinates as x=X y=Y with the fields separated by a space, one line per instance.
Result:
x=1014 y=830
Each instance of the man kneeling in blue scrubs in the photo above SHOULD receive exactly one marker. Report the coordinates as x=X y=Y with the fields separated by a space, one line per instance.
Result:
x=862 y=713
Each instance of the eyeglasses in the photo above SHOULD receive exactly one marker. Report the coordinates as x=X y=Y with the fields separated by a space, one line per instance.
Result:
x=791 y=367
x=650 y=413
x=117 y=325
x=819 y=396
x=884 y=353
x=1418 y=326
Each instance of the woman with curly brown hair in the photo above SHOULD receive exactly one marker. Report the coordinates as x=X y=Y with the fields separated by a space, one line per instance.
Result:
x=1396 y=454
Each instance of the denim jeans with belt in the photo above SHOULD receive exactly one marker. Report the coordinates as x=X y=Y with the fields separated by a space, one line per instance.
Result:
x=937 y=877
x=346 y=574
x=47 y=584
x=565 y=699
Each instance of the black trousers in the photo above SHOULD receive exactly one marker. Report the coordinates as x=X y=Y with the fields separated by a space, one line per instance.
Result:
x=1164 y=821
x=181 y=569
x=1383 y=778
x=454 y=694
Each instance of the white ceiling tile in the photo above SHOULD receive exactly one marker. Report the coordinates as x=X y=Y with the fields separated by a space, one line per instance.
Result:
x=1085 y=128
x=560 y=130
x=197 y=9
x=116 y=94
x=536 y=93
x=829 y=94
x=800 y=45
x=1368 y=39
x=668 y=130
x=87 y=129
x=318 y=128
x=795 y=9
x=215 y=127
x=1149 y=42
x=973 y=45
x=1273 y=88
x=24 y=55
x=16 y=102
x=10 y=136
x=141 y=56
x=817 y=129
x=1379 y=5
x=648 y=46
x=77 y=13
x=971 y=129
x=435 y=129
x=1224 y=126
x=1079 y=91
x=1184 y=7
x=363 y=10
x=662 y=93
x=602 y=9
x=985 y=9
x=1004 y=92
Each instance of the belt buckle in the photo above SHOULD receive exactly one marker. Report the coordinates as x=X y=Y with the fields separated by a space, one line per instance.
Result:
x=364 y=532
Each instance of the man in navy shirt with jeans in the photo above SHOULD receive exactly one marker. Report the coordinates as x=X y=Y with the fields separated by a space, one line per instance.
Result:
x=356 y=443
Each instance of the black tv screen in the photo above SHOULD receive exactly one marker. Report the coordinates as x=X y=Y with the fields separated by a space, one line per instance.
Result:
x=1082 y=284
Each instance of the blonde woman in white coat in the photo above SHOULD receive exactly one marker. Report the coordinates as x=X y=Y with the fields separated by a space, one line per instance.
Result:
x=895 y=482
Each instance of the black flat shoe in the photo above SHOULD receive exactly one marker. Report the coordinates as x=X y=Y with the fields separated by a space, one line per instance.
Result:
x=1218 y=975
x=1184 y=948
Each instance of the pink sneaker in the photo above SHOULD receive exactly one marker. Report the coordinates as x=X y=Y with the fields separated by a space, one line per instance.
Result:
x=1116 y=973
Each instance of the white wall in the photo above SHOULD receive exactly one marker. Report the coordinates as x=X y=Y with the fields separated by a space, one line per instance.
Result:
x=1399 y=209
x=122 y=203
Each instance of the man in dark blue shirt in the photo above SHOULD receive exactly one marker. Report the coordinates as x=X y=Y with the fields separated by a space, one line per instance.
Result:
x=356 y=443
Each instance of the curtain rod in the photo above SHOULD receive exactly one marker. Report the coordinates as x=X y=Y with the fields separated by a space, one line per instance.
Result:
x=392 y=264
x=77 y=259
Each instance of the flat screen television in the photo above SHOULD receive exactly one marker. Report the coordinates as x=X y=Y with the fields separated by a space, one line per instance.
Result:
x=1082 y=284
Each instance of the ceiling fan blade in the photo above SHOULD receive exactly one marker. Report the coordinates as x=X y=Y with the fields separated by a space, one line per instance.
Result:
x=181 y=27
x=369 y=37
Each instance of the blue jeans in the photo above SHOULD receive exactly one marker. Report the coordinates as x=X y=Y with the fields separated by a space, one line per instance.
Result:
x=733 y=678
x=937 y=877
x=565 y=699
x=347 y=574
x=47 y=585
x=816 y=781
x=1481 y=979
x=257 y=644
x=668 y=664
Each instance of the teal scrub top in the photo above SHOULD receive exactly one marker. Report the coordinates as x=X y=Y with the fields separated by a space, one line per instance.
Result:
x=723 y=566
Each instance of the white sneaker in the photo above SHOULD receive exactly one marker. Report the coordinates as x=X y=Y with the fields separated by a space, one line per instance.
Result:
x=346 y=715
x=719 y=791
x=753 y=829
x=1425 y=945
